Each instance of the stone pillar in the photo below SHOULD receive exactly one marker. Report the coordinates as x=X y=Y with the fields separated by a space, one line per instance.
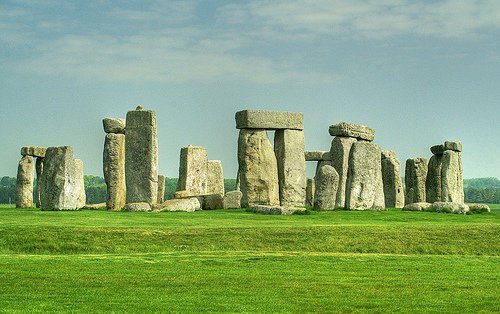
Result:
x=114 y=170
x=193 y=169
x=326 y=185
x=161 y=189
x=25 y=178
x=433 y=180
x=415 y=177
x=258 y=168
x=391 y=176
x=452 y=187
x=80 y=184
x=364 y=189
x=141 y=159
x=289 y=150
x=339 y=153
x=39 y=171
x=215 y=177
x=310 y=190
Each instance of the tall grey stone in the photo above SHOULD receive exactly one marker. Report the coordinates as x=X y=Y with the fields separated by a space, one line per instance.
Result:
x=326 y=184
x=258 y=168
x=59 y=187
x=339 y=153
x=141 y=156
x=215 y=177
x=289 y=150
x=193 y=170
x=391 y=176
x=360 y=132
x=114 y=171
x=161 y=189
x=433 y=181
x=365 y=188
x=80 y=184
x=452 y=187
x=310 y=190
x=270 y=120
x=39 y=171
x=415 y=177
x=24 y=185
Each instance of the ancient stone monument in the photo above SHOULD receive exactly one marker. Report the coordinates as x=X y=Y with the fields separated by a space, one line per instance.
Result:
x=271 y=176
x=326 y=185
x=310 y=190
x=391 y=176
x=141 y=159
x=193 y=170
x=161 y=189
x=25 y=175
x=114 y=163
x=415 y=177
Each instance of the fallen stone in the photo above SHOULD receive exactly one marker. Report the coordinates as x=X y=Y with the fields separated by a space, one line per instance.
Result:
x=213 y=201
x=193 y=170
x=24 y=185
x=270 y=120
x=112 y=125
x=161 y=189
x=391 y=177
x=450 y=207
x=433 y=180
x=95 y=206
x=479 y=208
x=114 y=171
x=361 y=132
x=215 y=177
x=275 y=210
x=80 y=184
x=310 y=190
x=183 y=194
x=339 y=152
x=232 y=199
x=415 y=177
x=138 y=207
x=365 y=188
x=35 y=151
x=182 y=205
x=422 y=206
x=317 y=156
x=452 y=187
x=454 y=146
x=326 y=184
x=437 y=149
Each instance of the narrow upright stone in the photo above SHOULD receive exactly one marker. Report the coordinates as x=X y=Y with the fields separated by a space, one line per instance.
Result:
x=415 y=177
x=339 y=153
x=310 y=190
x=327 y=182
x=270 y=120
x=114 y=171
x=80 y=184
x=391 y=176
x=365 y=188
x=360 y=132
x=433 y=180
x=39 y=171
x=289 y=150
x=161 y=189
x=25 y=178
x=141 y=156
x=258 y=169
x=193 y=176
x=215 y=177
x=452 y=187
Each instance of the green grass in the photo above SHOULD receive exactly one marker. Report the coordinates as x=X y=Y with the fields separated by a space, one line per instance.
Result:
x=236 y=261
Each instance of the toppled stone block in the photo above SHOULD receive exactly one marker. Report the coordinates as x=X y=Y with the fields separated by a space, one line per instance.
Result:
x=183 y=194
x=326 y=184
x=35 y=151
x=181 y=205
x=454 y=146
x=138 y=207
x=361 y=132
x=24 y=183
x=269 y=120
x=419 y=207
x=232 y=199
x=275 y=210
x=114 y=125
x=317 y=156
x=479 y=208
x=450 y=207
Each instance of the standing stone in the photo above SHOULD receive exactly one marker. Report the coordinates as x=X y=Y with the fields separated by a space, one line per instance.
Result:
x=339 y=152
x=258 y=168
x=232 y=199
x=114 y=170
x=193 y=170
x=452 y=188
x=327 y=182
x=433 y=181
x=289 y=150
x=365 y=188
x=310 y=190
x=215 y=177
x=141 y=157
x=415 y=177
x=391 y=176
x=161 y=189
x=59 y=187
x=39 y=171
x=25 y=178
x=80 y=184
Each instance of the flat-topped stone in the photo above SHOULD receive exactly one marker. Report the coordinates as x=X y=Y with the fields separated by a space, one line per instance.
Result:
x=181 y=205
x=114 y=125
x=437 y=149
x=275 y=210
x=361 y=132
x=317 y=156
x=270 y=120
x=419 y=207
x=35 y=151
x=450 y=207
x=479 y=208
x=138 y=207
x=455 y=146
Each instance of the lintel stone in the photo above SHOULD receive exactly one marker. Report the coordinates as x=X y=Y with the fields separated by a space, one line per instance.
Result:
x=35 y=151
x=269 y=120
x=361 y=132
x=317 y=156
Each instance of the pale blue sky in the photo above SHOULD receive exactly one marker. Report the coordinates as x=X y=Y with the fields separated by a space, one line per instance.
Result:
x=418 y=72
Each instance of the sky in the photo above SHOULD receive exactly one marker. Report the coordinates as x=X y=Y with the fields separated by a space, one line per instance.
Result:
x=418 y=72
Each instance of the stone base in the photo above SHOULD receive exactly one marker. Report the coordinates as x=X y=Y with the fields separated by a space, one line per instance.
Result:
x=479 y=208
x=181 y=205
x=275 y=210
x=418 y=207
x=137 y=207
x=232 y=199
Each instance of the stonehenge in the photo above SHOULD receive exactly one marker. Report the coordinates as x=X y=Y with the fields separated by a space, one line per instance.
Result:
x=391 y=177
x=415 y=177
x=326 y=184
x=114 y=170
x=32 y=159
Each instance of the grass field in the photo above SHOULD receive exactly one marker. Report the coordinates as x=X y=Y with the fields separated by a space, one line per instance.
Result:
x=236 y=261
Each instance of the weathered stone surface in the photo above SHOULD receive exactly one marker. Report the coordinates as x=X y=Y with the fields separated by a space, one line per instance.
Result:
x=39 y=171
x=391 y=177
x=415 y=176
x=275 y=210
x=361 y=132
x=317 y=156
x=114 y=170
x=479 y=208
x=80 y=184
x=141 y=157
x=437 y=149
x=289 y=150
x=215 y=177
x=193 y=170
x=326 y=185
x=422 y=206
x=310 y=190
x=339 y=152
x=452 y=187
x=35 y=151
x=258 y=169
x=58 y=184
x=95 y=206
x=454 y=146
x=365 y=188
x=112 y=125
x=138 y=207
x=183 y=194
x=320 y=164
x=161 y=189
x=182 y=205
x=270 y=120
x=450 y=207
x=232 y=199
x=433 y=179
x=213 y=201
x=25 y=178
